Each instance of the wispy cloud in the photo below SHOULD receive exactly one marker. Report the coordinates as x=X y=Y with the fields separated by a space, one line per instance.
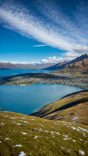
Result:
x=51 y=26
x=39 y=45
x=26 y=25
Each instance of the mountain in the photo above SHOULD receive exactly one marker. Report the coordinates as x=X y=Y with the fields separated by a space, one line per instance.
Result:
x=23 y=66
x=78 y=64
x=71 y=108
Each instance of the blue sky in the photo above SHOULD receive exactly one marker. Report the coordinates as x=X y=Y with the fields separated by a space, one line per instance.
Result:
x=45 y=31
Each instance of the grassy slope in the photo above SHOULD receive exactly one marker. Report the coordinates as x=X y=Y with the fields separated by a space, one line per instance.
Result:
x=54 y=138
x=67 y=108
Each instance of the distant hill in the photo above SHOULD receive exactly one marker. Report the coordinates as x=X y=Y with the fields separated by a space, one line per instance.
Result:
x=71 y=108
x=78 y=64
x=4 y=66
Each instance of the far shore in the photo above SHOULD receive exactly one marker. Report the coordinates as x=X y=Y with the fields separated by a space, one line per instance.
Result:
x=80 y=80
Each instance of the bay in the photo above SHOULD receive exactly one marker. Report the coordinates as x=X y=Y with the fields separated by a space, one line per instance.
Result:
x=27 y=99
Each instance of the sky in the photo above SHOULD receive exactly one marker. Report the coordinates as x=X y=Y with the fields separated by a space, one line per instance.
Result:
x=43 y=31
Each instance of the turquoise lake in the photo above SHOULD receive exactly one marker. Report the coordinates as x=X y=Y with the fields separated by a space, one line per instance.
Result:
x=21 y=71
x=27 y=99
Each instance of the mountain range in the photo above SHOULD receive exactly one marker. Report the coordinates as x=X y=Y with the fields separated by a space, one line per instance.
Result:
x=78 y=64
x=8 y=65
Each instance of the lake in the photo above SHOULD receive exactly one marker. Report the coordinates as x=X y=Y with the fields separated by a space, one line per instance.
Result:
x=27 y=99
x=21 y=71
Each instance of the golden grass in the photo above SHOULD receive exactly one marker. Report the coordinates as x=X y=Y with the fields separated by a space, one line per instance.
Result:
x=67 y=108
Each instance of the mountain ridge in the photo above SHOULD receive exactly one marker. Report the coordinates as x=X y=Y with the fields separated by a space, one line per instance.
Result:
x=4 y=66
x=78 y=64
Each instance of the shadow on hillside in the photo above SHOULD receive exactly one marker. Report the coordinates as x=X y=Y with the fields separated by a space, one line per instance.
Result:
x=73 y=94
x=41 y=113
x=70 y=104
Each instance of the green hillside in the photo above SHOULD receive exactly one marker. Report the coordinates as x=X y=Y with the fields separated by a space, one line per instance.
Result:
x=26 y=135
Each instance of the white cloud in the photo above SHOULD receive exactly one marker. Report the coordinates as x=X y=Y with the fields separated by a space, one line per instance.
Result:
x=77 y=51
x=54 y=60
x=26 y=25
x=18 y=62
x=48 y=60
x=81 y=50
x=54 y=28
x=39 y=45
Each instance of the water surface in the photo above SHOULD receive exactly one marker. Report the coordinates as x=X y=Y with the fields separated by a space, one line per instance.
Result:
x=21 y=71
x=27 y=99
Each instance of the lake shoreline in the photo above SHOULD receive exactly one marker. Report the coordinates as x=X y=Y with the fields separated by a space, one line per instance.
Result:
x=24 y=83
x=48 y=78
x=30 y=98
